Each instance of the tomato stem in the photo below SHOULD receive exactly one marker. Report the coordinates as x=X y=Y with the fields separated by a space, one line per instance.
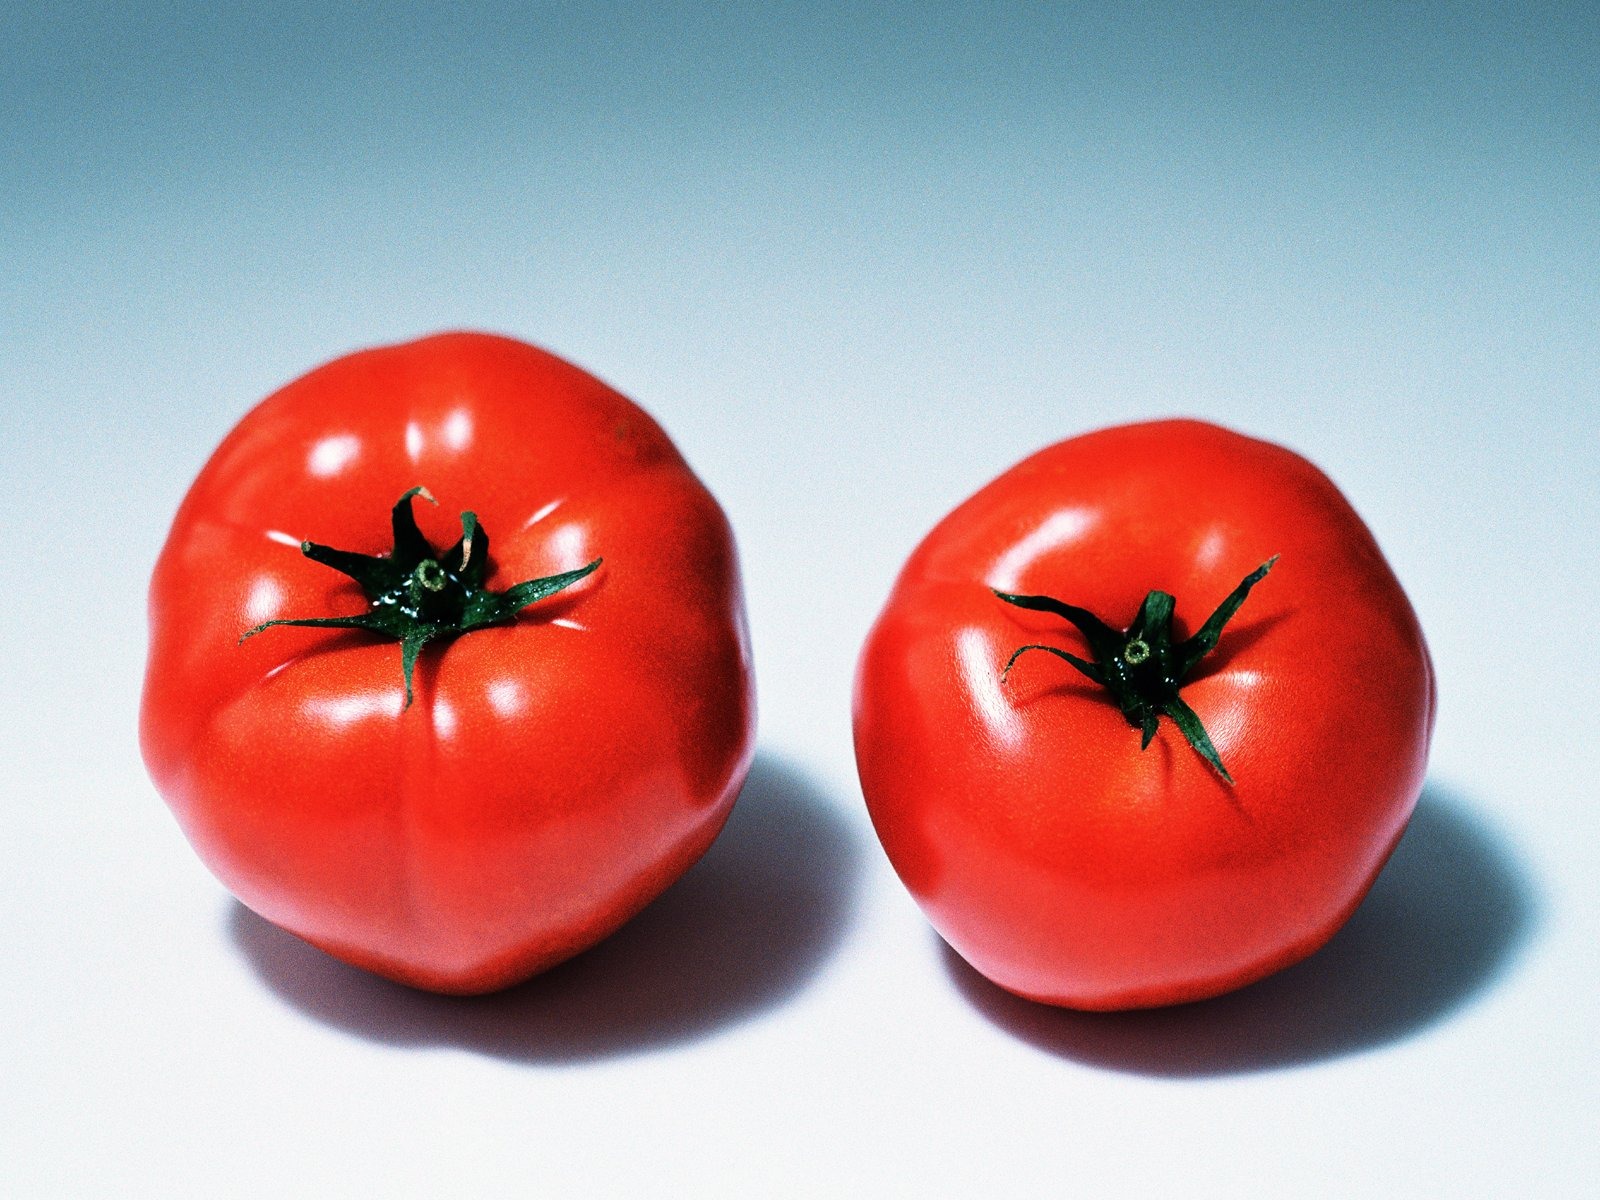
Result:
x=1140 y=666
x=416 y=595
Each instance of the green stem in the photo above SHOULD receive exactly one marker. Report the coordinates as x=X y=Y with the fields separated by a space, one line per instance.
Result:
x=1140 y=667
x=416 y=595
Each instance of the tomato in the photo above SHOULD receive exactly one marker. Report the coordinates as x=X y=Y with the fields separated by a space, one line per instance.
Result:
x=1139 y=812
x=475 y=759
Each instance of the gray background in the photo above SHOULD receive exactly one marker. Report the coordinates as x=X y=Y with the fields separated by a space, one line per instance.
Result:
x=857 y=262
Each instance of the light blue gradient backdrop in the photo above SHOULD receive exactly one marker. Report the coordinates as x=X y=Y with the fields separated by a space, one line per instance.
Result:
x=858 y=260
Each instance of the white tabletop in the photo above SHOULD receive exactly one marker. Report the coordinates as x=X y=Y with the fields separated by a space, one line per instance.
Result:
x=856 y=267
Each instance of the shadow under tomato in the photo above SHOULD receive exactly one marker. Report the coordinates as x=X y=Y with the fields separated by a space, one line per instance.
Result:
x=741 y=933
x=1446 y=918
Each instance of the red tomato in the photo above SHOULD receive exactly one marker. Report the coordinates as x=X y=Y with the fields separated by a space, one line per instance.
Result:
x=1056 y=854
x=572 y=745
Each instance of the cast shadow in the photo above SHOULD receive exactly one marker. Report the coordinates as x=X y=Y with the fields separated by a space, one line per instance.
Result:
x=740 y=934
x=1446 y=918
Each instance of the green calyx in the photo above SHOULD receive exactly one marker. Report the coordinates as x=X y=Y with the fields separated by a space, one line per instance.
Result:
x=1141 y=667
x=417 y=595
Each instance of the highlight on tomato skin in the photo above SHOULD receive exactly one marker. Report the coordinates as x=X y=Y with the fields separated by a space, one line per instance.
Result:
x=1143 y=718
x=449 y=672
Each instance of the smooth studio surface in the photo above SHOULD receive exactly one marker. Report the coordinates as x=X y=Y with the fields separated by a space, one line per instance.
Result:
x=856 y=267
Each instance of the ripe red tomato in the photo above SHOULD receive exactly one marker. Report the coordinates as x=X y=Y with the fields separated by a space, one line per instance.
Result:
x=579 y=713
x=1059 y=856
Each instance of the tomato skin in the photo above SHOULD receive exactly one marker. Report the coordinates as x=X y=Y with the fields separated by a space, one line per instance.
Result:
x=552 y=775
x=1059 y=860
